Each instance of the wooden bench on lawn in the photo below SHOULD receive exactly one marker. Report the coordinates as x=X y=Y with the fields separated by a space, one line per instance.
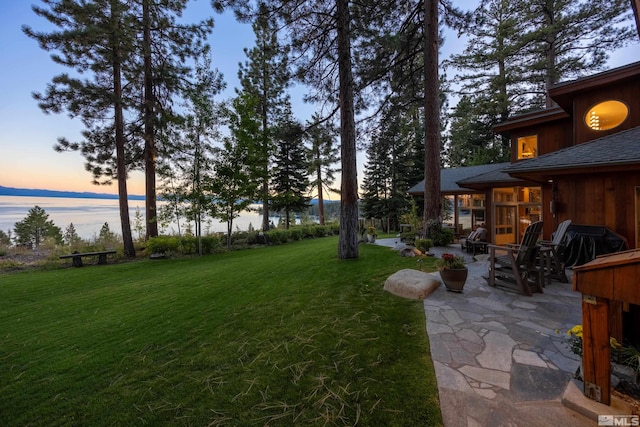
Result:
x=77 y=257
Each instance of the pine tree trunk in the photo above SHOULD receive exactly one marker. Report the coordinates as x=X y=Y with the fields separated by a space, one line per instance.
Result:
x=320 y=195
x=265 y=206
x=348 y=244
x=121 y=167
x=149 y=137
x=265 y=170
x=432 y=199
x=319 y=183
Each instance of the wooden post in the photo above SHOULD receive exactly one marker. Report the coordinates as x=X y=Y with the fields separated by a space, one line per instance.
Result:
x=596 y=351
x=606 y=283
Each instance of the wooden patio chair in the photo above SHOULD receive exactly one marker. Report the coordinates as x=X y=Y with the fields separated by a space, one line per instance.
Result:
x=556 y=249
x=466 y=241
x=517 y=267
x=477 y=240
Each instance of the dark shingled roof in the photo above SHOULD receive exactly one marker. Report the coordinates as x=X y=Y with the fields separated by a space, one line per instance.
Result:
x=622 y=148
x=497 y=176
x=450 y=177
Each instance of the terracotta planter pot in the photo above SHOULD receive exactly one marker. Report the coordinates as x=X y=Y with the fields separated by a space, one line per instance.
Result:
x=454 y=278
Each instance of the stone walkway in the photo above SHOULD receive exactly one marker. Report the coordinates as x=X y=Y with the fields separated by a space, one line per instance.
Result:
x=501 y=358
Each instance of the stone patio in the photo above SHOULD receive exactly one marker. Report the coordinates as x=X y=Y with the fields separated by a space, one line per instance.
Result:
x=502 y=358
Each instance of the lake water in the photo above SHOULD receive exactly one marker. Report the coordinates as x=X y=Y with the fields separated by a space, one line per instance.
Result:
x=89 y=215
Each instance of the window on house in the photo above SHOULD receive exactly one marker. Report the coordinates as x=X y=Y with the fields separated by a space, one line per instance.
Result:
x=527 y=147
x=606 y=115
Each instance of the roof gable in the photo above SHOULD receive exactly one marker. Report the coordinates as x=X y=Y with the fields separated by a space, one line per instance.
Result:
x=564 y=93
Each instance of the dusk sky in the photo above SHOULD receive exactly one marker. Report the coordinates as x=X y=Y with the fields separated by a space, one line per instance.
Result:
x=27 y=135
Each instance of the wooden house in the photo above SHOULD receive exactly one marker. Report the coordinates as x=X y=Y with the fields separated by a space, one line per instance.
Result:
x=584 y=154
x=578 y=160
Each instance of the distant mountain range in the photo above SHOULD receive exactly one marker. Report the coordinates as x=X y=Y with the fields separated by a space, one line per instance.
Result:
x=30 y=192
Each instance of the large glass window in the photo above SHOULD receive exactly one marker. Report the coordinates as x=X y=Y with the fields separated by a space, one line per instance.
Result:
x=471 y=211
x=606 y=115
x=527 y=147
x=515 y=208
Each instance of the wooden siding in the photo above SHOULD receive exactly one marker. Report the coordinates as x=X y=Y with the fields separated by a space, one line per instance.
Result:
x=628 y=92
x=550 y=222
x=551 y=137
x=600 y=199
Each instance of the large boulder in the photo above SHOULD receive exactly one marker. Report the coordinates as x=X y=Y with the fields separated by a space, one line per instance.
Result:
x=411 y=284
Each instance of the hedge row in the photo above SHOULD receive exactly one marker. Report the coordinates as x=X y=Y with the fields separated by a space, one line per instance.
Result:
x=279 y=235
x=302 y=232
x=187 y=245
x=211 y=244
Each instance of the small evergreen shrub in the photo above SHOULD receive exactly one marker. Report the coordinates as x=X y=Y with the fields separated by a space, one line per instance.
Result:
x=320 y=231
x=277 y=236
x=252 y=238
x=308 y=231
x=162 y=245
x=442 y=237
x=187 y=245
x=211 y=244
x=239 y=236
x=424 y=244
x=408 y=237
x=333 y=228
x=295 y=234
x=239 y=244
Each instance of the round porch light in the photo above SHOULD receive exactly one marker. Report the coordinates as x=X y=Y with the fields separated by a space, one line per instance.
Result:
x=606 y=115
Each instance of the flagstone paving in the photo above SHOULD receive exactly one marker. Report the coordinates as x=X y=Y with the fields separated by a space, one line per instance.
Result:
x=501 y=358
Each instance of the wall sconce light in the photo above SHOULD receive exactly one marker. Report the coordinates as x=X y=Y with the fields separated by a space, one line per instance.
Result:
x=594 y=121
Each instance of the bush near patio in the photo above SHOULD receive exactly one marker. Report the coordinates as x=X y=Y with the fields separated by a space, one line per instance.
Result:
x=283 y=335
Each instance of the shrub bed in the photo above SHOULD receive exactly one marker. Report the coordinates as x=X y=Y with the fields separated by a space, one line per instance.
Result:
x=187 y=245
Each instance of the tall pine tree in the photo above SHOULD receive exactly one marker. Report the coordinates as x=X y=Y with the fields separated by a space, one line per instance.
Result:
x=321 y=36
x=322 y=155
x=516 y=51
x=572 y=38
x=290 y=176
x=163 y=75
x=385 y=183
x=95 y=40
x=265 y=76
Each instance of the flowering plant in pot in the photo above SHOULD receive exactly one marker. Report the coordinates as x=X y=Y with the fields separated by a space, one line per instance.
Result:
x=453 y=271
x=450 y=261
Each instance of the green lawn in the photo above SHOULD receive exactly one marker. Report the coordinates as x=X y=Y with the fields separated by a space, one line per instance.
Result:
x=282 y=335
